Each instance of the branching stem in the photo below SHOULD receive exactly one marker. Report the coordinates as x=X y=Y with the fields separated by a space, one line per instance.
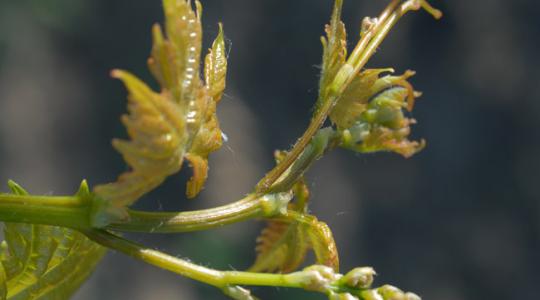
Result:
x=269 y=199
x=171 y=222
x=366 y=47
x=72 y=211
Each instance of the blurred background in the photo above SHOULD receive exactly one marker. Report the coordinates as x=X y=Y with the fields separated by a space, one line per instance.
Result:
x=460 y=220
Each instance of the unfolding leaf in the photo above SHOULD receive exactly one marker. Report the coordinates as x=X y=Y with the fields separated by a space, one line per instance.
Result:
x=301 y=195
x=323 y=244
x=281 y=246
x=376 y=119
x=175 y=59
x=199 y=164
x=209 y=136
x=215 y=67
x=178 y=122
x=45 y=262
x=355 y=98
x=157 y=146
x=334 y=49
x=207 y=140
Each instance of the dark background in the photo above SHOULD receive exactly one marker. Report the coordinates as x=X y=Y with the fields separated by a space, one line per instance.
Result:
x=460 y=220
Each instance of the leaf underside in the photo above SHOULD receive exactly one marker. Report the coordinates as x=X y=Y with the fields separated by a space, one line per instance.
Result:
x=44 y=262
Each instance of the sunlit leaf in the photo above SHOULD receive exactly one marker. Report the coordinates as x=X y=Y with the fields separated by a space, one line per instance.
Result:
x=371 y=113
x=45 y=262
x=323 y=244
x=156 y=149
x=355 y=98
x=207 y=140
x=178 y=122
x=283 y=244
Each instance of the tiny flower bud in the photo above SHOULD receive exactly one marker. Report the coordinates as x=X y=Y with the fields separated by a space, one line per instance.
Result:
x=360 y=278
x=371 y=295
x=389 y=292
x=412 y=296
x=238 y=293
x=318 y=278
x=343 y=296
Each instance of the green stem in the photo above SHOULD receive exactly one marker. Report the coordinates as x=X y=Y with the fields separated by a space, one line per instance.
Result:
x=252 y=206
x=363 y=51
x=170 y=222
x=322 y=141
x=68 y=211
x=219 y=279
x=316 y=122
x=376 y=31
x=73 y=211
x=155 y=258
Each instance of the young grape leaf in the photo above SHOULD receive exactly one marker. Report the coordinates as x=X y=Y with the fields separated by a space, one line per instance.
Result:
x=355 y=98
x=334 y=50
x=215 y=67
x=157 y=128
x=371 y=116
x=281 y=247
x=44 y=262
x=323 y=244
x=177 y=123
x=283 y=244
x=209 y=137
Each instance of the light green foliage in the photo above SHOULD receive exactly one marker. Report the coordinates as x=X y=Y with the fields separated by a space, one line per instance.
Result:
x=177 y=123
x=368 y=113
x=283 y=244
x=44 y=262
